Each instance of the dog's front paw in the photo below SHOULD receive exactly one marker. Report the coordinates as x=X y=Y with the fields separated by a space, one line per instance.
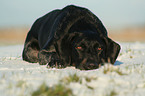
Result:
x=55 y=61
x=50 y=58
x=43 y=57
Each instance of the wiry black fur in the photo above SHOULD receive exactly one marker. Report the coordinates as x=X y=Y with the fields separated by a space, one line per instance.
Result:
x=54 y=38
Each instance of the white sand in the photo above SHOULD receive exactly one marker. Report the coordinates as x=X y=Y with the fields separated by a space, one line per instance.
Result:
x=19 y=78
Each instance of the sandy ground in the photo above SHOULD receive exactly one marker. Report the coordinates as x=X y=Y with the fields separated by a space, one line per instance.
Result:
x=128 y=34
x=11 y=36
x=125 y=78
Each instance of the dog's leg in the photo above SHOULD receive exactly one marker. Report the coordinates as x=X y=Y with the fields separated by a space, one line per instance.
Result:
x=50 y=58
x=31 y=49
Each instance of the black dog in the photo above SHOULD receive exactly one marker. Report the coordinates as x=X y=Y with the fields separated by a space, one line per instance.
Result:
x=73 y=36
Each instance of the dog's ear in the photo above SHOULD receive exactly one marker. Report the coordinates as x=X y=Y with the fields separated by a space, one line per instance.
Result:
x=112 y=51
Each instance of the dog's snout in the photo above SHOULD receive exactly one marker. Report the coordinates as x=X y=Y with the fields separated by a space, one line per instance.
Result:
x=92 y=65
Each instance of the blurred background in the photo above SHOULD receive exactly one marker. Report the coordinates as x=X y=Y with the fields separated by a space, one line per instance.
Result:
x=124 y=19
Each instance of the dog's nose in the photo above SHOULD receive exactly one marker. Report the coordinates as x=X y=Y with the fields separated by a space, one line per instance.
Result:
x=93 y=65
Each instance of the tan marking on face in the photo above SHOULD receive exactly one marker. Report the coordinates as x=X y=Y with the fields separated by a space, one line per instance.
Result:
x=102 y=60
x=99 y=65
x=109 y=60
x=84 y=61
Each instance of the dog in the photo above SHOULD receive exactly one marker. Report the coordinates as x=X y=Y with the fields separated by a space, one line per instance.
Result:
x=72 y=36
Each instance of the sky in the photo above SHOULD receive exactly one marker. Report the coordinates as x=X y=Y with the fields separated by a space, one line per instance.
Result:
x=113 y=13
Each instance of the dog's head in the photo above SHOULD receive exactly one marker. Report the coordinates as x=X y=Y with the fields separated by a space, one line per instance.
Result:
x=89 y=51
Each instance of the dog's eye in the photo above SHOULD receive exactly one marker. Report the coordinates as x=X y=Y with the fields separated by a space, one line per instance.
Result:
x=79 y=48
x=99 y=48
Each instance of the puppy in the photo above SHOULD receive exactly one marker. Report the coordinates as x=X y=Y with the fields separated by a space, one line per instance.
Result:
x=72 y=36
